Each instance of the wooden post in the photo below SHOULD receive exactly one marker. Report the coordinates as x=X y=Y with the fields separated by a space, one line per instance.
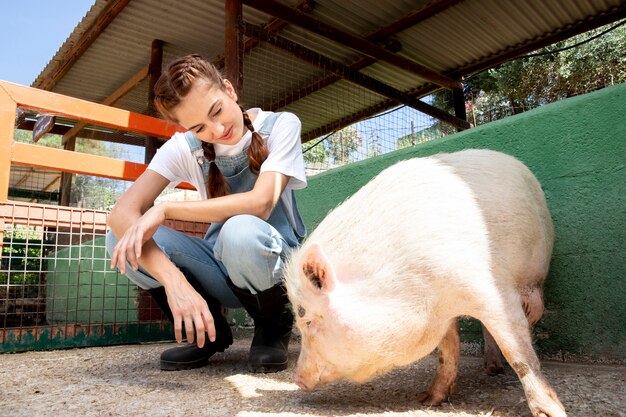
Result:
x=156 y=62
x=66 y=177
x=233 y=45
x=458 y=98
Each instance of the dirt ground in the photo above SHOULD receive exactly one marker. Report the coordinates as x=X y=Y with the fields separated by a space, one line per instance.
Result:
x=126 y=381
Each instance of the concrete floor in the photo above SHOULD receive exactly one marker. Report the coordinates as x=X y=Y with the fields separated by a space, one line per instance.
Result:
x=126 y=381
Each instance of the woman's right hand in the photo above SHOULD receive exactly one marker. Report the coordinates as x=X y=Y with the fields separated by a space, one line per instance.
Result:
x=130 y=245
x=189 y=308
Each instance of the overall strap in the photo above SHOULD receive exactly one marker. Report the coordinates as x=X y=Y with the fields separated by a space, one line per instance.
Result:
x=268 y=124
x=195 y=145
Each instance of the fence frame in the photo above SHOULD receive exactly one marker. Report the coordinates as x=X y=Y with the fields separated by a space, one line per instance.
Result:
x=14 y=96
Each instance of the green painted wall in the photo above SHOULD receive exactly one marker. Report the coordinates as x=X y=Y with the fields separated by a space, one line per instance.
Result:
x=577 y=150
x=81 y=288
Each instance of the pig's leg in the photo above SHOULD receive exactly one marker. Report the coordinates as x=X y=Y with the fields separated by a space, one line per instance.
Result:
x=510 y=329
x=532 y=302
x=492 y=361
x=444 y=382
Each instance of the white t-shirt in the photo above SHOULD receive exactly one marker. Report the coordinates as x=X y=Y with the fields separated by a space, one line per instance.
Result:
x=175 y=162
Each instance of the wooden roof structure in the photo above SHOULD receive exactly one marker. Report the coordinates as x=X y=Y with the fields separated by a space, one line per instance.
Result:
x=312 y=51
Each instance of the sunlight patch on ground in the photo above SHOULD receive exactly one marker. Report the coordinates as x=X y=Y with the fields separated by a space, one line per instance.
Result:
x=251 y=386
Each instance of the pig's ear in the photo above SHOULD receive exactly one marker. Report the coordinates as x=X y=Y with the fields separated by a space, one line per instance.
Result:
x=316 y=268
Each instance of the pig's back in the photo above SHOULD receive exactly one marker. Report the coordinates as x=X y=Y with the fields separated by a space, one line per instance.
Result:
x=467 y=212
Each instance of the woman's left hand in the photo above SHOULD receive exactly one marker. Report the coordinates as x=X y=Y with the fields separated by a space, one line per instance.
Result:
x=129 y=247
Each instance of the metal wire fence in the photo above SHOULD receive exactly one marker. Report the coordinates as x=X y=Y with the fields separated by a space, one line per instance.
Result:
x=395 y=129
x=56 y=288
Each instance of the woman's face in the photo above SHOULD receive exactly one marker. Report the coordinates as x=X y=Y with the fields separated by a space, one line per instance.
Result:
x=211 y=114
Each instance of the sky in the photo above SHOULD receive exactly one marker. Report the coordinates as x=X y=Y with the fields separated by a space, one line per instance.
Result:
x=32 y=31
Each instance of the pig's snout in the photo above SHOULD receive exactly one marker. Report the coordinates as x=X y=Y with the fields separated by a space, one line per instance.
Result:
x=303 y=384
x=308 y=377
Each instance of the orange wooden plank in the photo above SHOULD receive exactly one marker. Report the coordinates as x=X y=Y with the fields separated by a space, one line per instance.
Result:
x=7 y=122
x=87 y=111
x=78 y=163
x=75 y=162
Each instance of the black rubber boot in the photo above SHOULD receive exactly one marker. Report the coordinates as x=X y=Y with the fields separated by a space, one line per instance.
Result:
x=273 y=321
x=191 y=356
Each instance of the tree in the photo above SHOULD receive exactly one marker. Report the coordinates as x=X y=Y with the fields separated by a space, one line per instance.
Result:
x=339 y=147
x=314 y=152
x=374 y=146
x=343 y=144
x=437 y=130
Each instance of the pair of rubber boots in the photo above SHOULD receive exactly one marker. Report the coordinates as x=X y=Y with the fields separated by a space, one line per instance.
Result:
x=273 y=322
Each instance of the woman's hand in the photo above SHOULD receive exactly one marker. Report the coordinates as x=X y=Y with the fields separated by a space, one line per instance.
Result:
x=190 y=308
x=129 y=247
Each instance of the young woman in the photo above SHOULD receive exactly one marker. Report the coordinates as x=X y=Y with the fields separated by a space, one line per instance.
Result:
x=245 y=165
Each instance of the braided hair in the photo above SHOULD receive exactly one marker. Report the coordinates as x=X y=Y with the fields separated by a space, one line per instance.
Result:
x=172 y=87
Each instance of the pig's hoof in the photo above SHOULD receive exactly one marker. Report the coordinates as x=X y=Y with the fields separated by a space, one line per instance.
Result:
x=429 y=398
x=494 y=369
x=552 y=408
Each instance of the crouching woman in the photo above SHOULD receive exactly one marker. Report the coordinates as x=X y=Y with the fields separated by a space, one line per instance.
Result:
x=245 y=164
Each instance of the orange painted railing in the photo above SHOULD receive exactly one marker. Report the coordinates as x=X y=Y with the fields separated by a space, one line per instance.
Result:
x=13 y=96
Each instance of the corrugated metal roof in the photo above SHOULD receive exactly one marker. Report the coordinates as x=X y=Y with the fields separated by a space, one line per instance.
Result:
x=460 y=37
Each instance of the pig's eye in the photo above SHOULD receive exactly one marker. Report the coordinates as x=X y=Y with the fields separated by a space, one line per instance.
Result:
x=301 y=311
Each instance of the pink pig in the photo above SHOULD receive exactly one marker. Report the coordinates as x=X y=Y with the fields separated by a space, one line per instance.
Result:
x=381 y=281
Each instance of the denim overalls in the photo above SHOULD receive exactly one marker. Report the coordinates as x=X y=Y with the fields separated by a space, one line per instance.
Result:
x=245 y=249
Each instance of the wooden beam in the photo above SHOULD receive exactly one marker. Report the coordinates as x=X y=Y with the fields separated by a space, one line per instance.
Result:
x=458 y=99
x=274 y=25
x=359 y=44
x=66 y=177
x=62 y=65
x=343 y=71
x=24 y=178
x=233 y=41
x=52 y=184
x=110 y=100
x=156 y=63
x=418 y=15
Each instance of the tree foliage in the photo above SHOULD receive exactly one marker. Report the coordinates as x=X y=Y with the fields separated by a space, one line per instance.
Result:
x=436 y=131
x=343 y=143
x=339 y=147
